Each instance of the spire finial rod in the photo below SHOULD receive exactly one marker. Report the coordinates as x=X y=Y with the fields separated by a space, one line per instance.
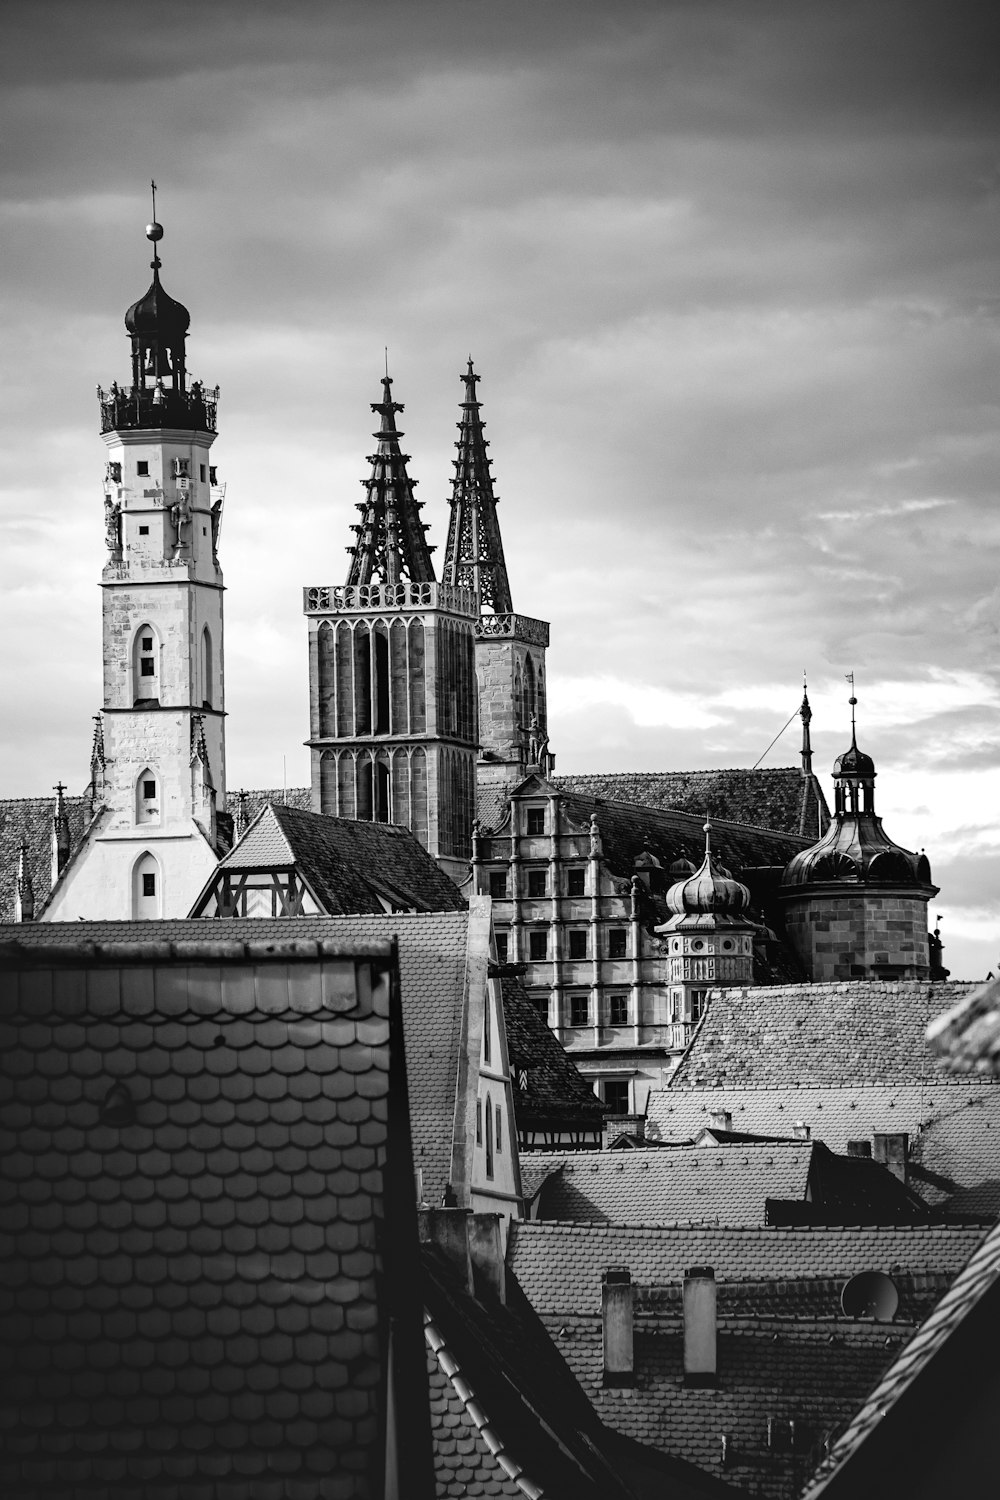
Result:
x=708 y=834
x=852 y=700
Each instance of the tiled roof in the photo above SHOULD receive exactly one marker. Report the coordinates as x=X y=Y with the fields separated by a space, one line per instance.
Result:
x=557 y=1093
x=857 y=1031
x=559 y=1266
x=249 y=803
x=29 y=819
x=968 y=1035
x=691 y=1184
x=953 y=1124
x=348 y=864
x=775 y=797
x=963 y=1300
x=432 y=973
x=193 y=1290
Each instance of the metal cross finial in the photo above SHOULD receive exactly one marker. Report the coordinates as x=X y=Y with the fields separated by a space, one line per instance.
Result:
x=152 y=188
x=852 y=700
x=59 y=787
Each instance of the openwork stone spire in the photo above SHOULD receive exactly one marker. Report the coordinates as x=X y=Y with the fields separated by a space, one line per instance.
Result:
x=475 y=552
x=391 y=545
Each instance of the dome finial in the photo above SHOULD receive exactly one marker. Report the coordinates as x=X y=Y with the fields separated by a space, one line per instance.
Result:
x=854 y=703
x=154 y=231
x=708 y=834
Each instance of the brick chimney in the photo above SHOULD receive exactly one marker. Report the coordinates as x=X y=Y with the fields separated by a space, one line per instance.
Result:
x=617 y=1318
x=892 y=1150
x=801 y=1130
x=720 y=1119
x=700 y=1327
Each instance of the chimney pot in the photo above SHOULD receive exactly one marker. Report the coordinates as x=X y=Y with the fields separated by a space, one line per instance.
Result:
x=700 y=1327
x=892 y=1150
x=721 y=1119
x=618 y=1325
x=801 y=1130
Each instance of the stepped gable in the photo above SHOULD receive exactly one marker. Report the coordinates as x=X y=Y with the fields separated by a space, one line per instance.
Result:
x=28 y=820
x=432 y=952
x=349 y=866
x=953 y=1125
x=686 y=1185
x=555 y=1093
x=845 y=1031
x=205 y=1184
x=559 y=1266
x=946 y=1383
x=776 y=797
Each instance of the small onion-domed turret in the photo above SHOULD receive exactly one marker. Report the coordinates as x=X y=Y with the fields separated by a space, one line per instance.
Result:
x=708 y=892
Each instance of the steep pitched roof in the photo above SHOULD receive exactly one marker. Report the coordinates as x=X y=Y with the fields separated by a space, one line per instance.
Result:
x=556 y=1093
x=775 y=797
x=28 y=820
x=953 y=1124
x=245 y=805
x=559 y=1265
x=878 y=1444
x=198 y=1285
x=693 y=1184
x=968 y=1035
x=349 y=865
x=432 y=951
x=851 y=1031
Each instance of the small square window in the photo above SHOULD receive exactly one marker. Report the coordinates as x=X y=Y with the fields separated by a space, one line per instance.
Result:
x=576 y=882
x=501 y=940
x=147 y=643
x=204 y=531
x=498 y=885
x=142 y=467
x=579 y=1007
x=146 y=666
x=578 y=942
x=144 y=531
x=536 y=819
x=617 y=942
x=538 y=943
x=148 y=883
x=618 y=1010
x=616 y=1096
x=536 y=882
x=149 y=789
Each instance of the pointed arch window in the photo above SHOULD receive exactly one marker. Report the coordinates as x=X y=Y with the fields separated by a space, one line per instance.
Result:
x=147 y=797
x=207 y=678
x=146 y=666
x=147 y=892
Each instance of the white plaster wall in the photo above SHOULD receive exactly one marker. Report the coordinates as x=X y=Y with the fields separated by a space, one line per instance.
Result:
x=97 y=884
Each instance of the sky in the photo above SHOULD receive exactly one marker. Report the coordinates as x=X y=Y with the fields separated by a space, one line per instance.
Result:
x=729 y=271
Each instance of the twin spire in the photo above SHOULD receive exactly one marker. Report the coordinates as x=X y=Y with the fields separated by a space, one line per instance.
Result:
x=391 y=540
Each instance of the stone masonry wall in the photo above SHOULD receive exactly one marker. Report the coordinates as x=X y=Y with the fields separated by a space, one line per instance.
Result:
x=858 y=936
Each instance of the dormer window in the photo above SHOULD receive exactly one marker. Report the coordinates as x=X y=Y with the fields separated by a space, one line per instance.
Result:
x=536 y=820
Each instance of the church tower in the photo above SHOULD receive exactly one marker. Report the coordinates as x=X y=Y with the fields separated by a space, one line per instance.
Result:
x=510 y=648
x=158 y=764
x=392 y=672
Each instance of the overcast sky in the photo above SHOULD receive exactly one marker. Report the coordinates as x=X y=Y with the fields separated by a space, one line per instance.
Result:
x=728 y=270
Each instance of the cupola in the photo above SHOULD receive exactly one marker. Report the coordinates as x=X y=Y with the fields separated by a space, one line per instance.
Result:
x=707 y=893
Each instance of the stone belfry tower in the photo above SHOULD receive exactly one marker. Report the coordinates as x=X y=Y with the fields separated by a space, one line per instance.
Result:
x=159 y=768
x=392 y=677
x=510 y=648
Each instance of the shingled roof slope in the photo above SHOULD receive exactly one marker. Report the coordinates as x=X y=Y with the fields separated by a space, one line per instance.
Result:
x=687 y=1185
x=775 y=797
x=953 y=1124
x=29 y=820
x=953 y=1352
x=247 y=804
x=850 y=1031
x=968 y=1035
x=556 y=1090
x=347 y=863
x=194 y=1287
x=432 y=950
x=560 y=1265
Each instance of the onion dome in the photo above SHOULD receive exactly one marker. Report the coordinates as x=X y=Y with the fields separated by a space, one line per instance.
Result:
x=708 y=892
x=157 y=314
x=854 y=763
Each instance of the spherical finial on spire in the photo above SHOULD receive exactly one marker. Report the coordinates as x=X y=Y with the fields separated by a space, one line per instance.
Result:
x=154 y=231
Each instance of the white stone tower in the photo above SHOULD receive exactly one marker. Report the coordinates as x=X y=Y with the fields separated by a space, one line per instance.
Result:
x=159 y=770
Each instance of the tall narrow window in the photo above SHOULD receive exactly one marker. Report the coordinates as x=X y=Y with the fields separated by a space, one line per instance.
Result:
x=499 y=1120
x=381 y=694
x=146 y=666
x=206 y=668
x=489 y=1136
x=147 y=797
x=382 y=801
x=147 y=895
x=487 y=1035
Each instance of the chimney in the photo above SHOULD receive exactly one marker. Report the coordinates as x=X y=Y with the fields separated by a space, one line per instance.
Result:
x=447 y=1229
x=892 y=1150
x=859 y=1148
x=616 y=1315
x=720 y=1119
x=801 y=1130
x=486 y=1253
x=700 y=1340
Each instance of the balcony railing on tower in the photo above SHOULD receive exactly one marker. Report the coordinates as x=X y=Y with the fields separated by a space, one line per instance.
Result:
x=146 y=407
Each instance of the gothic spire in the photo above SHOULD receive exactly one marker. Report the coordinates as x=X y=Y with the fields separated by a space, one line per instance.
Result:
x=475 y=552
x=391 y=545
x=24 y=892
x=805 y=714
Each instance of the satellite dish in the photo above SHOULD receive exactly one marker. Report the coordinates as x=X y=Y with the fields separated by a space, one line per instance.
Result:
x=870 y=1294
